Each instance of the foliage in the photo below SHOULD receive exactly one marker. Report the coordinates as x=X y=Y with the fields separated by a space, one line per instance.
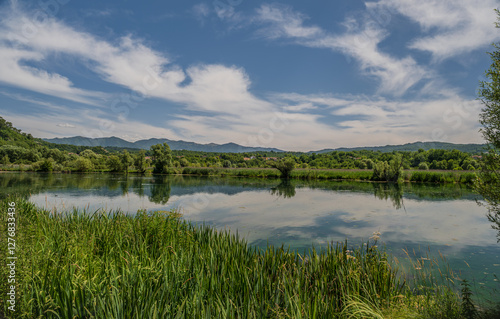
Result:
x=468 y=309
x=83 y=165
x=154 y=265
x=389 y=172
x=162 y=158
x=47 y=165
x=114 y=163
x=140 y=163
x=488 y=182
x=109 y=265
x=126 y=160
x=423 y=166
x=19 y=148
x=285 y=166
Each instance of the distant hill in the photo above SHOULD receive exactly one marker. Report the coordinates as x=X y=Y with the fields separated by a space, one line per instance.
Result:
x=9 y=135
x=235 y=148
x=146 y=144
x=412 y=147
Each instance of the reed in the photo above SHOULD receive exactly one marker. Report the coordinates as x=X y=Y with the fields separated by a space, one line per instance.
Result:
x=82 y=264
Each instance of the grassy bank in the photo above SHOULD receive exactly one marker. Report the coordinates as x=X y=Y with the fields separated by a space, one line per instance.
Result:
x=154 y=265
x=304 y=174
x=423 y=176
x=428 y=176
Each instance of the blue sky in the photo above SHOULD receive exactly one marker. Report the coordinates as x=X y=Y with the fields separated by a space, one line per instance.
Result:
x=294 y=75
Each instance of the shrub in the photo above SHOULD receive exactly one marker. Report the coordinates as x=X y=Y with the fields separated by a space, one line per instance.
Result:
x=423 y=166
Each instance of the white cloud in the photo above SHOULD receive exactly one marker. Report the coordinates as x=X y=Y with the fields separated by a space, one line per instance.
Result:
x=396 y=75
x=66 y=125
x=218 y=98
x=84 y=123
x=13 y=72
x=452 y=27
x=377 y=121
x=201 y=11
x=284 y=22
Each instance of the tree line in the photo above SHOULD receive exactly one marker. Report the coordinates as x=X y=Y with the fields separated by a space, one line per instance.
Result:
x=160 y=158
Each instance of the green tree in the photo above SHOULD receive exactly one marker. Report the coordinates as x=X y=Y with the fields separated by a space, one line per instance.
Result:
x=285 y=166
x=126 y=160
x=83 y=165
x=488 y=181
x=47 y=165
x=114 y=163
x=140 y=162
x=162 y=158
x=389 y=172
x=183 y=162
x=423 y=166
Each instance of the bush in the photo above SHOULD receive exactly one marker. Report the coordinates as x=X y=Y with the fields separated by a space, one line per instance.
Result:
x=423 y=166
x=83 y=165
x=47 y=165
x=389 y=172
x=285 y=166
x=114 y=163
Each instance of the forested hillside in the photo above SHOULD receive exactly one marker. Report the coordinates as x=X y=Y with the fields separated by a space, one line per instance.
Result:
x=20 y=150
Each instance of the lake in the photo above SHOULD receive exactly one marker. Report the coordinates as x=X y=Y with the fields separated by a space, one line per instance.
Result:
x=421 y=219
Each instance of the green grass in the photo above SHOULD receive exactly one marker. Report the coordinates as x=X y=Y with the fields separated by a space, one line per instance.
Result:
x=303 y=174
x=429 y=176
x=463 y=177
x=443 y=177
x=155 y=265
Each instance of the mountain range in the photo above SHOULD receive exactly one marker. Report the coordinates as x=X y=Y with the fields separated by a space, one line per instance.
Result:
x=236 y=148
x=146 y=144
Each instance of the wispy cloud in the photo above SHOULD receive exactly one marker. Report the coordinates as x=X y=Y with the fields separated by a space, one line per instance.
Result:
x=452 y=27
x=201 y=11
x=363 y=120
x=219 y=99
x=67 y=125
x=396 y=75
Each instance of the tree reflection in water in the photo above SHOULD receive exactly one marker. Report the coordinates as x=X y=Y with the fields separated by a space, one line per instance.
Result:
x=392 y=191
x=285 y=189
x=160 y=190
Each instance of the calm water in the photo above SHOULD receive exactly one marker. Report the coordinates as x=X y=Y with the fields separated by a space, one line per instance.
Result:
x=419 y=218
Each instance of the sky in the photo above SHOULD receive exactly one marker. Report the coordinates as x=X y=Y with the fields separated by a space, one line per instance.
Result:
x=294 y=75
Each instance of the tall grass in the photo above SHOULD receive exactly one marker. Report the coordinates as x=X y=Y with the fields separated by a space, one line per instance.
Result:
x=304 y=174
x=154 y=265
x=462 y=177
x=440 y=176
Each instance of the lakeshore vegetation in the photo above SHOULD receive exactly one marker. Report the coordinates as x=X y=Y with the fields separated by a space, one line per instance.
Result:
x=22 y=152
x=82 y=264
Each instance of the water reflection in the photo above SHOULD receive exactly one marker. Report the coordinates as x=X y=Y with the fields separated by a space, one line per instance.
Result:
x=294 y=213
x=285 y=189
x=495 y=221
x=160 y=190
x=393 y=192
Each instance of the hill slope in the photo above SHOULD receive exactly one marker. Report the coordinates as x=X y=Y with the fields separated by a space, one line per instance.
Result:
x=235 y=148
x=10 y=135
x=146 y=144
x=412 y=147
